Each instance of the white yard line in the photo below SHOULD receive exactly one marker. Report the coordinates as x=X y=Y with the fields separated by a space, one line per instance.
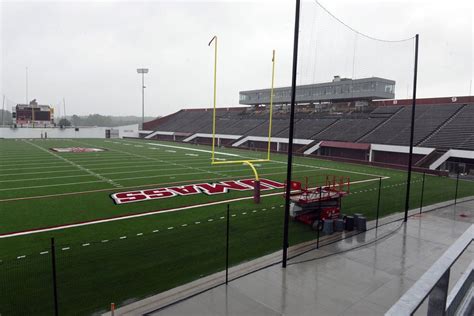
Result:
x=277 y=161
x=103 y=162
x=15 y=157
x=183 y=174
x=51 y=185
x=138 y=186
x=115 y=184
x=121 y=179
x=152 y=176
x=36 y=168
x=165 y=162
x=193 y=149
x=39 y=172
x=30 y=164
x=47 y=178
x=126 y=217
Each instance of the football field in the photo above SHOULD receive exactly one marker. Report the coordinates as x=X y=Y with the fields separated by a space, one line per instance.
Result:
x=132 y=218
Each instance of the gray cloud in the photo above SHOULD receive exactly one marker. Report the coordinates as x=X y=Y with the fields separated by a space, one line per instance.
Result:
x=88 y=52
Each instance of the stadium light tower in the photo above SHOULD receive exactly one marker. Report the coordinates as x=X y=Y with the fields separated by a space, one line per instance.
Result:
x=143 y=71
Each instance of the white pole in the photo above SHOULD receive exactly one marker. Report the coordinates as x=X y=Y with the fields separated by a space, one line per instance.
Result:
x=3 y=111
x=26 y=86
x=64 y=103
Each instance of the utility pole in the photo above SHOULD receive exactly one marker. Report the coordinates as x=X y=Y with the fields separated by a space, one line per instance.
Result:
x=143 y=71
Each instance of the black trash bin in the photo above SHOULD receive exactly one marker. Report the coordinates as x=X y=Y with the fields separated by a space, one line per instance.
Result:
x=350 y=223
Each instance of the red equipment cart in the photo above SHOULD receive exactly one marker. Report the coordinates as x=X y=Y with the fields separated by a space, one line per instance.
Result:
x=311 y=202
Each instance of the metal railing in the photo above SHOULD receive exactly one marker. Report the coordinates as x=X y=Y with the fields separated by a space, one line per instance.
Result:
x=434 y=283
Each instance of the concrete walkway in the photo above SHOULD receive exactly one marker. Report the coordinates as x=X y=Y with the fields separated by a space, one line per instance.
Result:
x=361 y=275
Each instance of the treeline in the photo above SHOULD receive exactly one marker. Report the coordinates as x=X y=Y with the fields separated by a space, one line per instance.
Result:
x=5 y=117
x=86 y=120
x=106 y=121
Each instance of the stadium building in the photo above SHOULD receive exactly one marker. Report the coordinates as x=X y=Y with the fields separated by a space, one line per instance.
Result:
x=33 y=114
x=339 y=90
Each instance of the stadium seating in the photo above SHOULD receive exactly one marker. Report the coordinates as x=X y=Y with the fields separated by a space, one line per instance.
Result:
x=441 y=126
x=348 y=129
x=457 y=132
x=306 y=128
x=278 y=126
x=396 y=129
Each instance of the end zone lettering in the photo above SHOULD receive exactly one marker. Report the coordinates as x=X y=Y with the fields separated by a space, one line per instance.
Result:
x=191 y=189
x=76 y=150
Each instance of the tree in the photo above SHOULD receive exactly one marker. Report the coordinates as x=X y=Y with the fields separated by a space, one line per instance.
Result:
x=76 y=120
x=64 y=122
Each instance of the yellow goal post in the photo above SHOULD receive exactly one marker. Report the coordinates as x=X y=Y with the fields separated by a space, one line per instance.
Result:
x=249 y=162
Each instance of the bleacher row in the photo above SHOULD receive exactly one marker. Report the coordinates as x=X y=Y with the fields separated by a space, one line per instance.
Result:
x=443 y=126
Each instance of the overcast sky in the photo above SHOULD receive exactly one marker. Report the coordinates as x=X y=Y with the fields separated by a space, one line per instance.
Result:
x=88 y=51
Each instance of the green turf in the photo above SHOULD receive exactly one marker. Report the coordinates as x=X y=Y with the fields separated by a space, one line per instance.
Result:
x=152 y=257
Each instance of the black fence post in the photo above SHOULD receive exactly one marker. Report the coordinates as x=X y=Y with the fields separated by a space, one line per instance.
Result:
x=412 y=131
x=317 y=233
x=319 y=219
x=55 y=288
x=290 y=136
x=378 y=204
x=227 y=247
x=422 y=192
x=456 y=192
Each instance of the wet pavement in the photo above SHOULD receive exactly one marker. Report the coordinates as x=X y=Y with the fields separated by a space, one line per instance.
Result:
x=362 y=275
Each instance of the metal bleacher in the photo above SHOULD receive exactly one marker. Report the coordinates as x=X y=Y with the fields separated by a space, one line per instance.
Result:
x=348 y=130
x=278 y=125
x=396 y=129
x=441 y=126
x=306 y=128
x=458 y=132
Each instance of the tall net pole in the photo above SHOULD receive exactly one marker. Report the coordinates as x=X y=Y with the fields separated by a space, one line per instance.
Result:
x=290 y=136
x=410 y=156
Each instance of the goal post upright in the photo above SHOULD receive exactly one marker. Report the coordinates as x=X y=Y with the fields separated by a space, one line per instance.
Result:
x=271 y=107
x=214 y=39
x=248 y=162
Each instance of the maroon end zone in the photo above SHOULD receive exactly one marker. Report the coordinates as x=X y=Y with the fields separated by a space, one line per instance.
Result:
x=192 y=189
